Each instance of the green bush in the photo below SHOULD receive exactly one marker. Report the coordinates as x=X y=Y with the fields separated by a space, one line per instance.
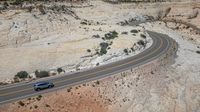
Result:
x=39 y=97
x=132 y=49
x=124 y=33
x=22 y=74
x=41 y=74
x=88 y=50
x=143 y=36
x=111 y=35
x=104 y=44
x=126 y=51
x=96 y=36
x=134 y=31
x=103 y=49
x=141 y=42
x=21 y=103
x=59 y=70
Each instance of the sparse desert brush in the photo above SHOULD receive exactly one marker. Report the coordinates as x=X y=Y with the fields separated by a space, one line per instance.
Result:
x=22 y=74
x=143 y=36
x=134 y=31
x=88 y=50
x=111 y=35
x=198 y=52
x=59 y=70
x=126 y=51
x=96 y=36
x=141 y=42
x=124 y=33
x=103 y=49
x=41 y=74
x=21 y=103
x=39 y=97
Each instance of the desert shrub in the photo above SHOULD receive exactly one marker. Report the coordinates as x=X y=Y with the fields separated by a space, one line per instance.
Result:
x=103 y=49
x=69 y=89
x=16 y=79
x=124 y=33
x=104 y=44
x=35 y=106
x=21 y=103
x=198 y=52
x=42 y=74
x=88 y=50
x=47 y=105
x=132 y=49
x=22 y=74
x=143 y=36
x=111 y=35
x=111 y=43
x=141 y=42
x=134 y=31
x=97 y=82
x=59 y=70
x=96 y=36
x=126 y=51
x=84 y=22
x=39 y=97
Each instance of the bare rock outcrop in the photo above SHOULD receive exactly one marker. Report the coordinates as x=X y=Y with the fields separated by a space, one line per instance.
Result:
x=193 y=15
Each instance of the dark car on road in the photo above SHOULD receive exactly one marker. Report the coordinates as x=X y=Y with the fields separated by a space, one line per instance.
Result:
x=43 y=85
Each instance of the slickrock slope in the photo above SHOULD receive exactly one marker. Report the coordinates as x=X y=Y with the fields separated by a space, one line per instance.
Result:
x=112 y=94
x=171 y=83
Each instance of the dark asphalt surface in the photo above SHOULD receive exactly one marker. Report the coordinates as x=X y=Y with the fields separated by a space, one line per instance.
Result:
x=161 y=43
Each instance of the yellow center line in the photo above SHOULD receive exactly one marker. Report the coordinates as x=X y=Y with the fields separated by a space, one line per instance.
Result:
x=87 y=74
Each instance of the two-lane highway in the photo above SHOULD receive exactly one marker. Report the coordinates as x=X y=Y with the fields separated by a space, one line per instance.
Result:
x=161 y=43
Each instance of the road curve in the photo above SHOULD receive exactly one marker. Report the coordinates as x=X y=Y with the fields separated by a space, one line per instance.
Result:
x=161 y=44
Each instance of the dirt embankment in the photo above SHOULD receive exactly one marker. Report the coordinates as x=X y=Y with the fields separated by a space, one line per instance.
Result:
x=117 y=93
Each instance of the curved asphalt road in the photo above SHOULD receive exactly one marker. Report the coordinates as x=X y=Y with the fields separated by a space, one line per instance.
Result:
x=161 y=43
